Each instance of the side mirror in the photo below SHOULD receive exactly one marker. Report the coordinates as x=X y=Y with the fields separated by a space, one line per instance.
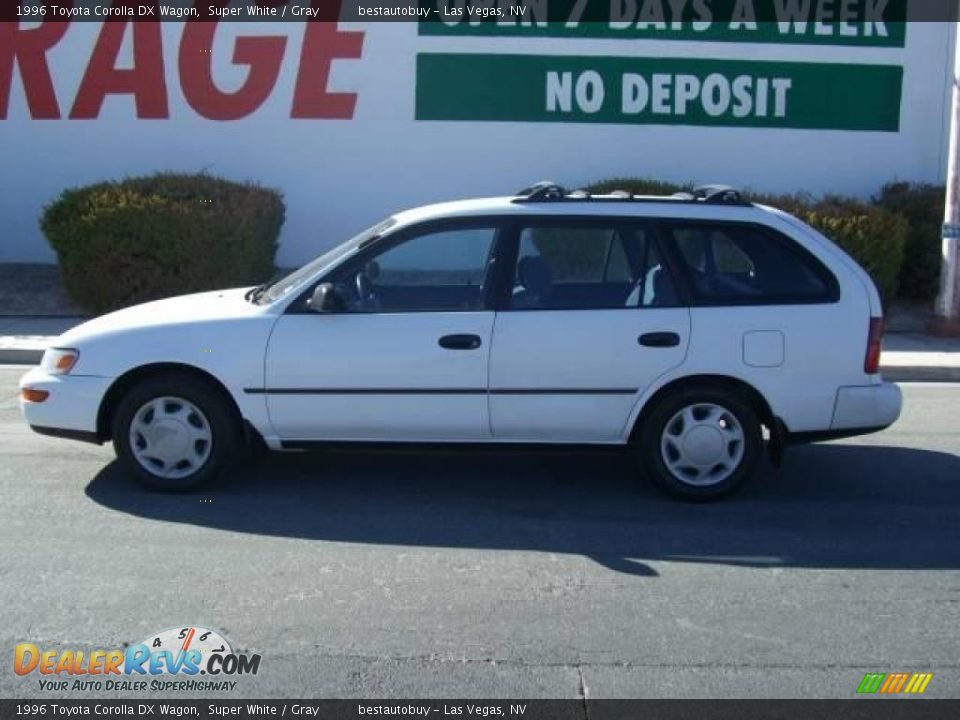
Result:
x=325 y=299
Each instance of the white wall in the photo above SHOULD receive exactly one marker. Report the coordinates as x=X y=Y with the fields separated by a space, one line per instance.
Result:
x=339 y=176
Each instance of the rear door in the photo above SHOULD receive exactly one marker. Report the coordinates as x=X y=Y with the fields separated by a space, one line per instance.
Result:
x=588 y=319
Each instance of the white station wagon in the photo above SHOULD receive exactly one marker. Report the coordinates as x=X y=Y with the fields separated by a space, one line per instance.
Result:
x=678 y=326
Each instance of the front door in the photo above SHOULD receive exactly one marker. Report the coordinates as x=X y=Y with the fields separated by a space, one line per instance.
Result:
x=591 y=320
x=405 y=359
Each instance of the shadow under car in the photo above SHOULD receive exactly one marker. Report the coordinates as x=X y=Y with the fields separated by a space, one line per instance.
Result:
x=830 y=506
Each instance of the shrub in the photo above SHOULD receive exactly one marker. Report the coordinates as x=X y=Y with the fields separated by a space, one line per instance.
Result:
x=577 y=254
x=572 y=255
x=874 y=237
x=922 y=206
x=144 y=238
x=637 y=186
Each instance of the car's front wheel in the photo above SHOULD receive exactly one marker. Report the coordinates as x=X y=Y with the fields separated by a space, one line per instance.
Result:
x=701 y=443
x=174 y=432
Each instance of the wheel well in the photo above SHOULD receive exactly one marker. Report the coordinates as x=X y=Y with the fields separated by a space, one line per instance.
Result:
x=753 y=396
x=126 y=381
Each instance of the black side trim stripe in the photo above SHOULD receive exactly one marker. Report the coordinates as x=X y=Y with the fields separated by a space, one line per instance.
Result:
x=562 y=391
x=365 y=391
x=439 y=391
x=478 y=446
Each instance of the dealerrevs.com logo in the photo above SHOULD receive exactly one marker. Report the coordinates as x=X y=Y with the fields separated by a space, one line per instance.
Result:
x=174 y=659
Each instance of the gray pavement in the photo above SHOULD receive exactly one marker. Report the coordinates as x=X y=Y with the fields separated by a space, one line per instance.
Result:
x=473 y=574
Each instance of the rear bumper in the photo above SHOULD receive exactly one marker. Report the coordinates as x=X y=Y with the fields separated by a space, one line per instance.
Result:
x=858 y=410
x=867 y=406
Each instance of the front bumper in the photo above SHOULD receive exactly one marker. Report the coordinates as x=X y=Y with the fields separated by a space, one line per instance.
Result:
x=72 y=406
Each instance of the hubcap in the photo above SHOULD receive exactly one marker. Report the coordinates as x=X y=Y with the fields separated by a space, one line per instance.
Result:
x=170 y=437
x=702 y=444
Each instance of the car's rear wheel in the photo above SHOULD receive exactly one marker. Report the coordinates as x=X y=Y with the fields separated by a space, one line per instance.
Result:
x=701 y=443
x=174 y=432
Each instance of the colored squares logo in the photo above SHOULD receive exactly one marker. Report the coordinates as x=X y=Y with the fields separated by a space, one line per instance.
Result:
x=894 y=683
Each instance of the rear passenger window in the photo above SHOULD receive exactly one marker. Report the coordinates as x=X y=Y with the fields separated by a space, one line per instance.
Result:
x=589 y=267
x=730 y=264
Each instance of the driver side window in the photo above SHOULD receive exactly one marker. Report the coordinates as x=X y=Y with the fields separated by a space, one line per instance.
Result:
x=440 y=271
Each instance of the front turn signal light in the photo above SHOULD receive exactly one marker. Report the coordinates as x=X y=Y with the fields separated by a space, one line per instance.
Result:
x=59 y=361
x=33 y=395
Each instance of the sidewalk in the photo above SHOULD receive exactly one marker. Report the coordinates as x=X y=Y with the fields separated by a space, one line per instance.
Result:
x=915 y=357
x=34 y=310
x=23 y=338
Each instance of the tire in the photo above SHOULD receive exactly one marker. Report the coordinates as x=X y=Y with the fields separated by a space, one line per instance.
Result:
x=701 y=443
x=171 y=416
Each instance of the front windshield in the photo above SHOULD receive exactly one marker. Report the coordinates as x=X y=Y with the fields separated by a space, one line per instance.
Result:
x=284 y=285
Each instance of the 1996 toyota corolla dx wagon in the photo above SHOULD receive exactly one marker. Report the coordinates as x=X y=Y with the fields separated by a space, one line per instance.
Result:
x=680 y=326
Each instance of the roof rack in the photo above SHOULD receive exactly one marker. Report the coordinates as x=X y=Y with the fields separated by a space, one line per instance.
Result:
x=718 y=195
x=543 y=190
x=547 y=191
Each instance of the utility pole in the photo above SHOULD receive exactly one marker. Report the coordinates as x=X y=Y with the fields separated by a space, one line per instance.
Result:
x=948 y=301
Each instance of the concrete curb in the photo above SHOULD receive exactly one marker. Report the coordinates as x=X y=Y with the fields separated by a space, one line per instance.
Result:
x=30 y=355
x=20 y=356
x=921 y=373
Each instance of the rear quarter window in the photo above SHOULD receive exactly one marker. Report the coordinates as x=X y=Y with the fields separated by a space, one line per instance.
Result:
x=746 y=264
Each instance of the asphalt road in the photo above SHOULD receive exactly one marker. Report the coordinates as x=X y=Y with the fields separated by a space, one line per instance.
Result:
x=500 y=574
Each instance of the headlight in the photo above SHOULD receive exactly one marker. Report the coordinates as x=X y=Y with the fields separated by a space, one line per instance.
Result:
x=59 y=361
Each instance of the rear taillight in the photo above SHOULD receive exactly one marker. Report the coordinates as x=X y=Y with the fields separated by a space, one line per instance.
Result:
x=871 y=363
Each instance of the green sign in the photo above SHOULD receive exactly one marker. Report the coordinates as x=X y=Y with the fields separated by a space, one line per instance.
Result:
x=876 y=23
x=660 y=91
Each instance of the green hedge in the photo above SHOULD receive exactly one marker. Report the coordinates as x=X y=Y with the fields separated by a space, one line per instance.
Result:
x=143 y=238
x=637 y=186
x=922 y=206
x=873 y=236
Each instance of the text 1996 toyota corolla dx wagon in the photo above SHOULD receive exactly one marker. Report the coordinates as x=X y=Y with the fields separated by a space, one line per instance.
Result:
x=679 y=326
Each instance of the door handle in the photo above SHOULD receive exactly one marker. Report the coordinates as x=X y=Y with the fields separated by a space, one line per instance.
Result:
x=459 y=342
x=659 y=339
